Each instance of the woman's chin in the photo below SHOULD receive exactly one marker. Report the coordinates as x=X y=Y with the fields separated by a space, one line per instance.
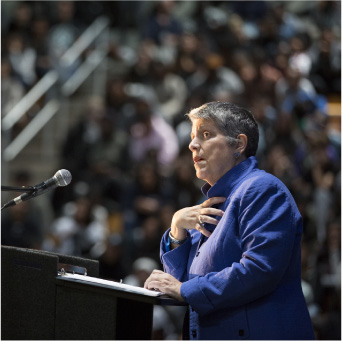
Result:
x=201 y=175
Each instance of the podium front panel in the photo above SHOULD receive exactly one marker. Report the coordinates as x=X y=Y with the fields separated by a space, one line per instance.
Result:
x=27 y=294
x=88 y=312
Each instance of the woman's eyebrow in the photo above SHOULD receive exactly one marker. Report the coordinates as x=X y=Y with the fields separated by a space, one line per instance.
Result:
x=202 y=127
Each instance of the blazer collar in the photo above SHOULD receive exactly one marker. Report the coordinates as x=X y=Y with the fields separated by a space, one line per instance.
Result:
x=224 y=186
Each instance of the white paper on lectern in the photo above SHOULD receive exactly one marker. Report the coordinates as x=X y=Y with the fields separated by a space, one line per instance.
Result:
x=121 y=286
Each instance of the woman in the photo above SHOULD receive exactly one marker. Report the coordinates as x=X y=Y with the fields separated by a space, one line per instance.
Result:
x=235 y=259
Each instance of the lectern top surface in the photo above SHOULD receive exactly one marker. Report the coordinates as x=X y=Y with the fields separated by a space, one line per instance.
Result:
x=121 y=286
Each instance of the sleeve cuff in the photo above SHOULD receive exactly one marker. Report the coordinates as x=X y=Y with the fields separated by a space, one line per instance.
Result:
x=175 y=261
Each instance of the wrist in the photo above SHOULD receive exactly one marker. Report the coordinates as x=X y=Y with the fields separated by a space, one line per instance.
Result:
x=176 y=241
x=177 y=232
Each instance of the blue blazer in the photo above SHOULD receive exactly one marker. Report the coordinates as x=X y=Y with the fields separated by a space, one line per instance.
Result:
x=244 y=281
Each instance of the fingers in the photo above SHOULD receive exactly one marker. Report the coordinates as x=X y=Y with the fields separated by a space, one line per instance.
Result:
x=203 y=230
x=188 y=217
x=156 y=274
x=212 y=201
x=165 y=283
x=207 y=219
x=206 y=212
x=153 y=285
x=211 y=211
x=155 y=271
x=149 y=282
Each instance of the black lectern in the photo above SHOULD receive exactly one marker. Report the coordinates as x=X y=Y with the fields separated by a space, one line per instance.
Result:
x=37 y=304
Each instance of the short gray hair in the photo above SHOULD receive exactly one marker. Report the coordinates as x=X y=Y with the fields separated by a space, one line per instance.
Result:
x=232 y=120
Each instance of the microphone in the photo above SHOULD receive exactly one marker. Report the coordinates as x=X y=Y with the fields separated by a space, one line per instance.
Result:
x=61 y=178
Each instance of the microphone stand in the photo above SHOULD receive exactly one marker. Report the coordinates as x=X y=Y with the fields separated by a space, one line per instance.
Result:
x=26 y=189
x=17 y=189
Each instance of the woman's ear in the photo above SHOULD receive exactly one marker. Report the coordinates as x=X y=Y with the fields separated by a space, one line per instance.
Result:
x=242 y=144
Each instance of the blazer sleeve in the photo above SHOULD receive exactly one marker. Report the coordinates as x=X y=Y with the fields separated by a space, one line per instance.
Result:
x=175 y=261
x=269 y=224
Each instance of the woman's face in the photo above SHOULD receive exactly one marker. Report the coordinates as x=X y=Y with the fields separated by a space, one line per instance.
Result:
x=212 y=155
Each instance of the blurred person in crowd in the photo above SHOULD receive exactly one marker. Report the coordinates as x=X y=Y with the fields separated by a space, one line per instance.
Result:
x=317 y=163
x=22 y=58
x=140 y=70
x=214 y=77
x=308 y=261
x=268 y=38
x=327 y=14
x=294 y=89
x=224 y=29
x=145 y=198
x=108 y=162
x=266 y=116
x=80 y=230
x=170 y=89
x=126 y=14
x=238 y=252
x=286 y=133
x=249 y=74
x=324 y=166
x=22 y=224
x=77 y=144
x=280 y=61
x=40 y=42
x=326 y=63
x=146 y=237
x=279 y=163
x=329 y=256
x=111 y=257
x=251 y=11
x=119 y=102
x=146 y=193
x=150 y=133
x=162 y=28
x=85 y=132
x=12 y=90
x=89 y=11
x=299 y=57
x=21 y=21
x=328 y=284
x=302 y=191
x=62 y=34
x=238 y=30
x=308 y=108
x=213 y=29
x=189 y=56
x=287 y=24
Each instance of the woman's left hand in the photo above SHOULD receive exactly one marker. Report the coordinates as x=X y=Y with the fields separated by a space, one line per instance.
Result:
x=165 y=283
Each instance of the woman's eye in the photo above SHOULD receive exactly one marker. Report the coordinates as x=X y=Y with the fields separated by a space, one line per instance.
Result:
x=206 y=134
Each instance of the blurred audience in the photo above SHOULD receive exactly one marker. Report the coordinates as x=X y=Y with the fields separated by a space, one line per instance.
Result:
x=80 y=231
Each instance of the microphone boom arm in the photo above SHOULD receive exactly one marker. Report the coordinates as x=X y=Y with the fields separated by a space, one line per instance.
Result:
x=18 y=189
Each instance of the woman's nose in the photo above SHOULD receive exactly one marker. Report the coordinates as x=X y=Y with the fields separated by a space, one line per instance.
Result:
x=193 y=145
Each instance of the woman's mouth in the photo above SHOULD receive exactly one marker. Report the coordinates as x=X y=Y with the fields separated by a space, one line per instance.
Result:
x=197 y=159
